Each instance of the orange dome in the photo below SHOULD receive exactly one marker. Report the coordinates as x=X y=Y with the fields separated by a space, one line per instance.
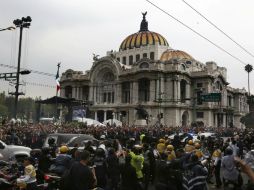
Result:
x=174 y=54
x=142 y=38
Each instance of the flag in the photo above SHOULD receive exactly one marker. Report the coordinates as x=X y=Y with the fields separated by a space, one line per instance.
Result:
x=57 y=81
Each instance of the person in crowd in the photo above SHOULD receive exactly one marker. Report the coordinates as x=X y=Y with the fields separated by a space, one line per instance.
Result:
x=195 y=174
x=149 y=165
x=170 y=152
x=198 y=151
x=100 y=167
x=29 y=179
x=62 y=161
x=162 y=173
x=230 y=172
x=216 y=158
x=249 y=157
x=44 y=163
x=234 y=147
x=128 y=175
x=52 y=146
x=189 y=146
x=113 y=169
x=161 y=146
x=137 y=161
x=81 y=176
x=89 y=148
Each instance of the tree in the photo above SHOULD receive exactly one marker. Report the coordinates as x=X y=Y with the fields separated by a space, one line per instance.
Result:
x=3 y=110
x=248 y=68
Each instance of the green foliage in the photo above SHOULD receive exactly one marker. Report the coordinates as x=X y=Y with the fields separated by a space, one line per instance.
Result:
x=3 y=110
x=27 y=108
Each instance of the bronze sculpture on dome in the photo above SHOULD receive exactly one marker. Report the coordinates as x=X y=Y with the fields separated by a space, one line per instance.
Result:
x=144 y=23
x=144 y=15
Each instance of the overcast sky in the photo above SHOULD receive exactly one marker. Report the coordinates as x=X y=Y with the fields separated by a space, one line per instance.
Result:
x=71 y=31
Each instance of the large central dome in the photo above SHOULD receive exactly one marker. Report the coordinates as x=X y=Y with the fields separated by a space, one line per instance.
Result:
x=143 y=38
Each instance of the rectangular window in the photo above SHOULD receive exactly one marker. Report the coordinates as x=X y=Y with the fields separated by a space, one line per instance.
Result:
x=152 y=55
x=104 y=97
x=200 y=114
x=109 y=97
x=113 y=97
x=137 y=57
x=124 y=60
x=118 y=59
x=229 y=101
x=144 y=55
x=199 y=98
x=125 y=92
x=130 y=60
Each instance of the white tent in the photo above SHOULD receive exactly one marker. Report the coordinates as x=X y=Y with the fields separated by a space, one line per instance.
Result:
x=88 y=121
x=112 y=121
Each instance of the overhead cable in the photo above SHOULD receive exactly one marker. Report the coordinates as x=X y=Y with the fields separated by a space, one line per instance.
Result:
x=243 y=48
x=202 y=36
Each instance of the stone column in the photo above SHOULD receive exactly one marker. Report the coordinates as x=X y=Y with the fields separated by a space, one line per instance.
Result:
x=80 y=93
x=134 y=92
x=162 y=85
x=157 y=89
x=118 y=93
x=105 y=115
x=152 y=90
x=94 y=93
x=95 y=116
x=224 y=120
x=178 y=90
x=188 y=92
x=73 y=92
x=91 y=93
x=77 y=95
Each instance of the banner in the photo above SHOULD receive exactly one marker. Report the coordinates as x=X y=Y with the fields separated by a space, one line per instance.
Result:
x=78 y=111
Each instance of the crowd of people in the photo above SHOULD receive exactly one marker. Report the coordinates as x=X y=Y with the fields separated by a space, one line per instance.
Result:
x=132 y=157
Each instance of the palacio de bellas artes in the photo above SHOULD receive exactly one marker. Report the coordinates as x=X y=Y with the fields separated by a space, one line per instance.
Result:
x=147 y=82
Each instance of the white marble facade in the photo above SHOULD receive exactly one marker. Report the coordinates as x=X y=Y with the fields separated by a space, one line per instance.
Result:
x=165 y=82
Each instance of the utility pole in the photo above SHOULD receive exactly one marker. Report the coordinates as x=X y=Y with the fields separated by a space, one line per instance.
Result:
x=21 y=23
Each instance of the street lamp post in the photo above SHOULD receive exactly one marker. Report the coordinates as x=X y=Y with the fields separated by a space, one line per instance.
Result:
x=20 y=23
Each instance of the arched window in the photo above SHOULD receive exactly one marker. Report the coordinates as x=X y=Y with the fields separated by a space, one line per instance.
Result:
x=218 y=86
x=152 y=55
x=137 y=57
x=143 y=90
x=130 y=60
x=144 y=65
x=124 y=60
x=107 y=87
x=126 y=92
x=183 y=90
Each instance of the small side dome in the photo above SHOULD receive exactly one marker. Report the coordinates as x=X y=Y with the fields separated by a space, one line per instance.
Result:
x=174 y=54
